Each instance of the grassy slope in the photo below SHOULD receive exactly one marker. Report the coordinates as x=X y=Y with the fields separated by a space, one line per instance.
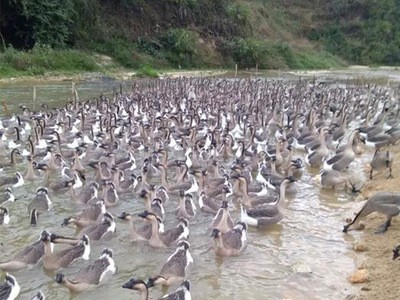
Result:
x=267 y=33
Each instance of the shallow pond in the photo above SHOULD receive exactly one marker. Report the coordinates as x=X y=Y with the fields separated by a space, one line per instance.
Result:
x=305 y=256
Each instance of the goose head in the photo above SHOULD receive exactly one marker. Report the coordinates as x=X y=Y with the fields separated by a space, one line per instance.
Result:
x=135 y=284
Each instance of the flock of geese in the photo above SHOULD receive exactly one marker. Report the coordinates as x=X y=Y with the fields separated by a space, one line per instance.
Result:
x=178 y=148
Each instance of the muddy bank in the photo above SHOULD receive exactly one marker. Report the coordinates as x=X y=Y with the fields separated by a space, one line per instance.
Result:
x=383 y=272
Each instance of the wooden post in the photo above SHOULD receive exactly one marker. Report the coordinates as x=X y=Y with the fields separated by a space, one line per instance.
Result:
x=236 y=69
x=256 y=69
x=34 y=98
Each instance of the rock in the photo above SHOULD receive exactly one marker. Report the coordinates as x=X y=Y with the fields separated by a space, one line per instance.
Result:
x=359 y=246
x=360 y=276
x=365 y=288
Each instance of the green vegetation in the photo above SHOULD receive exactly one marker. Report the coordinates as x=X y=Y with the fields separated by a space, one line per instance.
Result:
x=42 y=59
x=41 y=36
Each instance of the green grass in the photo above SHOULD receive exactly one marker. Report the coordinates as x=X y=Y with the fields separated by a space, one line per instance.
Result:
x=147 y=71
x=42 y=59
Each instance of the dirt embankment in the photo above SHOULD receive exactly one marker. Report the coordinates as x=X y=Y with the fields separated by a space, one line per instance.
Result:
x=384 y=273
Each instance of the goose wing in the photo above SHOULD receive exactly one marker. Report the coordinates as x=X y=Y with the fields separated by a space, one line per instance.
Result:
x=176 y=265
x=92 y=273
x=67 y=256
x=31 y=254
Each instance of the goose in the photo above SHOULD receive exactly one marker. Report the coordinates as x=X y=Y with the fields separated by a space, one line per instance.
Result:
x=8 y=196
x=141 y=234
x=155 y=205
x=14 y=181
x=380 y=161
x=209 y=205
x=386 y=203
x=13 y=159
x=4 y=216
x=90 y=276
x=341 y=161
x=174 y=269
x=231 y=243
x=166 y=238
x=9 y=289
x=62 y=259
x=263 y=215
x=103 y=230
x=182 y=293
x=249 y=201
x=332 y=179
x=88 y=193
x=39 y=296
x=222 y=220
x=41 y=201
x=88 y=216
x=27 y=257
x=186 y=208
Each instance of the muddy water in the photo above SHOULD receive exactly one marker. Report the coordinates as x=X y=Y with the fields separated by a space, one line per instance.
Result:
x=305 y=256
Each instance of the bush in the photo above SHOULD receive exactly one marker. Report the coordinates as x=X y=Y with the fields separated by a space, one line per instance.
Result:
x=147 y=71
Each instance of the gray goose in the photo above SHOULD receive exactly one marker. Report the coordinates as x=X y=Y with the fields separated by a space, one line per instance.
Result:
x=9 y=289
x=88 y=216
x=4 y=216
x=341 y=161
x=141 y=234
x=14 y=181
x=231 y=243
x=174 y=270
x=8 y=196
x=381 y=161
x=386 y=203
x=165 y=238
x=62 y=259
x=222 y=220
x=90 y=276
x=102 y=230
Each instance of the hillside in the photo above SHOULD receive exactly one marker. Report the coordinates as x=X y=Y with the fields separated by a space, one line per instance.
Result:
x=271 y=34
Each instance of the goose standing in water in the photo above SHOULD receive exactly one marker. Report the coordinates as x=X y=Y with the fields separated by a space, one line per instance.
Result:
x=103 y=230
x=13 y=159
x=266 y=214
x=231 y=243
x=174 y=270
x=341 y=161
x=55 y=260
x=90 y=276
x=41 y=202
x=165 y=238
x=88 y=216
x=222 y=220
x=141 y=234
x=9 y=289
x=4 y=216
x=14 y=181
x=8 y=196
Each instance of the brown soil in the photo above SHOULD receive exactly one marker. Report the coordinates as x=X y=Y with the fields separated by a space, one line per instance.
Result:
x=384 y=273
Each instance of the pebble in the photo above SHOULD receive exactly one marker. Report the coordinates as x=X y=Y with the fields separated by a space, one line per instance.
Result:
x=360 y=276
x=359 y=246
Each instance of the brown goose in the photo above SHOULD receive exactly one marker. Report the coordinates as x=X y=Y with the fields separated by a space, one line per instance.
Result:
x=166 y=238
x=90 y=276
x=174 y=270
x=62 y=259
x=231 y=243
